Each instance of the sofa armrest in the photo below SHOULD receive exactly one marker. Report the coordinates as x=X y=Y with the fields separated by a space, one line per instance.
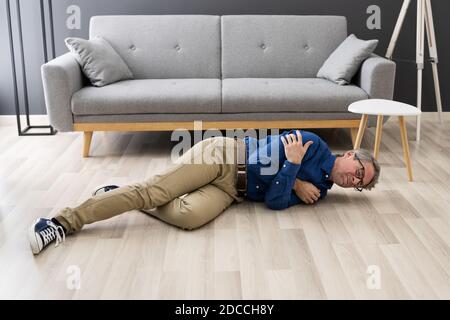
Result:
x=61 y=78
x=377 y=77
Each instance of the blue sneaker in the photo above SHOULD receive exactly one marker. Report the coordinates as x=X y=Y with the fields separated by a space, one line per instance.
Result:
x=43 y=232
x=104 y=188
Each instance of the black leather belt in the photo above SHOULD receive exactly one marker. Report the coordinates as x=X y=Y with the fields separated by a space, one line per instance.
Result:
x=241 y=180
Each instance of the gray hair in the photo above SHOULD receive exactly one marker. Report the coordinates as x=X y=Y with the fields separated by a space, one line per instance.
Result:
x=366 y=157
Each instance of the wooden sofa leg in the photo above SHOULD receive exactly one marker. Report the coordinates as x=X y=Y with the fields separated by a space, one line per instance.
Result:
x=87 y=143
x=353 y=134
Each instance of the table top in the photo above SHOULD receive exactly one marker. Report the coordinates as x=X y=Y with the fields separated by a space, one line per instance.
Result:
x=383 y=107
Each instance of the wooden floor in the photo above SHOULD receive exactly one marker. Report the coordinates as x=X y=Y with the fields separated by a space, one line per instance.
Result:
x=324 y=251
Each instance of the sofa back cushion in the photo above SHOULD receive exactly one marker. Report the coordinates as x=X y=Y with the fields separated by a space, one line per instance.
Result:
x=164 y=46
x=281 y=46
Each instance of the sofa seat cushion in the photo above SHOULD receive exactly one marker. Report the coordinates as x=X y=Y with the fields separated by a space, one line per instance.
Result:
x=287 y=95
x=150 y=96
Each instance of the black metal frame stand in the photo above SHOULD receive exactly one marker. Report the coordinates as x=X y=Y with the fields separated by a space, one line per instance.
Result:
x=25 y=131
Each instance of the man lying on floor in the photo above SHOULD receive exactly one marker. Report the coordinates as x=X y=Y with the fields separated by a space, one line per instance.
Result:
x=192 y=191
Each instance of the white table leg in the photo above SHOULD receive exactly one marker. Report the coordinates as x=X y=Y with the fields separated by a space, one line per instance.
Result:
x=362 y=127
x=405 y=144
x=378 y=136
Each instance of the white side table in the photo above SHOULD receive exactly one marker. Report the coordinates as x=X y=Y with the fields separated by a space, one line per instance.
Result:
x=380 y=108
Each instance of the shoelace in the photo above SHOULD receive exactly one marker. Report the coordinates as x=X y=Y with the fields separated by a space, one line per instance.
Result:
x=52 y=232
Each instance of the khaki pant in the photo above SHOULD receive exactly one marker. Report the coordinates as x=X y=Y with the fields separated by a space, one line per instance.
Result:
x=189 y=194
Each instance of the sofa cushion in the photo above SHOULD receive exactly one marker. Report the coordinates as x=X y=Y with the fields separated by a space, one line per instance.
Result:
x=287 y=95
x=100 y=62
x=281 y=46
x=163 y=46
x=346 y=60
x=149 y=96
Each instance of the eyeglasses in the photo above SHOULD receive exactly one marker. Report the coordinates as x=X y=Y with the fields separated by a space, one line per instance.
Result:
x=359 y=174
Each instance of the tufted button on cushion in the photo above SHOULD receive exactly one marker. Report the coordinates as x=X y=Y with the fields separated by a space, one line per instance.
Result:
x=306 y=47
x=263 y=46
x=132 y=47
x=177 y=47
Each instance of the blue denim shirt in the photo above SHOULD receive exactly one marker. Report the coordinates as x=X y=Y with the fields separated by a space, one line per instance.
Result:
x=272 y=181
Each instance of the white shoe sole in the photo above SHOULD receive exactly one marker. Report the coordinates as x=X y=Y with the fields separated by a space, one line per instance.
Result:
x=32 y=238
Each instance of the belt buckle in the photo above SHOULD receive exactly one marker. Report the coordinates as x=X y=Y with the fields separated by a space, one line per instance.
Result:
x=241 y=183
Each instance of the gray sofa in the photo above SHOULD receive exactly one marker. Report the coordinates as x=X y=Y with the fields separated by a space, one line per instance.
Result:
x=240 y=71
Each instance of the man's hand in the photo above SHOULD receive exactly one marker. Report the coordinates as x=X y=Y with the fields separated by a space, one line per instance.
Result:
x=294 y=148
x=306 y=191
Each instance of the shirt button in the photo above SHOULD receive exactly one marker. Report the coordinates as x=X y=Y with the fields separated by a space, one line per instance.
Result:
x=326 y=176
x=277 y=182
x=284 y=166
x=257 y=187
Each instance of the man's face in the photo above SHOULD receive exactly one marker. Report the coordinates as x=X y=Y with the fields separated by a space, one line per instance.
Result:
x=349 y=170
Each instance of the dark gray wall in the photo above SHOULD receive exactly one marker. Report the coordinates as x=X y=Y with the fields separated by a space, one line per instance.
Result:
x=354 y=10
